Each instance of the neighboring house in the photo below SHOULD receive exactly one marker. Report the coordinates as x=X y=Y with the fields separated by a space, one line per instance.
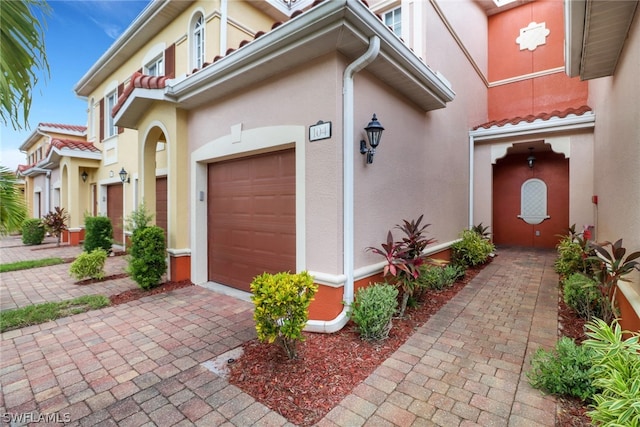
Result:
x=59 y=160
x=239 y=125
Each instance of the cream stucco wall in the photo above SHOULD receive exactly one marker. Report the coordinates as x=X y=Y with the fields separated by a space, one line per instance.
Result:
x=617 y=149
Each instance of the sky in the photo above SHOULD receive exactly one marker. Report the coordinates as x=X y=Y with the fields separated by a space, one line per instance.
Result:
x=77 y=33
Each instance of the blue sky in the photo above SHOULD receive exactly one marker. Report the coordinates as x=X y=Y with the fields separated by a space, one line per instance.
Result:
x=77 y=33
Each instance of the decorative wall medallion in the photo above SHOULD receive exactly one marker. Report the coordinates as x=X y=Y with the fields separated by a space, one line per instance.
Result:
x=532 y=36
x=533 y=201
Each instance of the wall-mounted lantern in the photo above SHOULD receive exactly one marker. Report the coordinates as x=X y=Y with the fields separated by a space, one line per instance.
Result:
x=531 y=159
x=84 y=176
x=374 y=133
x=124 y=176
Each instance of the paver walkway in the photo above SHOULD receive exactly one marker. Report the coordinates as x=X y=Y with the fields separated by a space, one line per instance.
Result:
x=141 y=363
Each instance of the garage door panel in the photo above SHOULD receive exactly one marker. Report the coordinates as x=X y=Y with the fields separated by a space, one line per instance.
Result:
x=251 y=218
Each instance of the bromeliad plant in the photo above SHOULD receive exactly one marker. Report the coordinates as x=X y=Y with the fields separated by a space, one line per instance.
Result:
x=405 y=257
x=611 y=267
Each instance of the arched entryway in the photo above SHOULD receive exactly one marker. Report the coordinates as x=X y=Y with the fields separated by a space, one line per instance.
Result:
x=521 y=193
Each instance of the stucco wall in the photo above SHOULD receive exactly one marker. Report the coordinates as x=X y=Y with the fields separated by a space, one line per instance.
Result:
x=617 y=148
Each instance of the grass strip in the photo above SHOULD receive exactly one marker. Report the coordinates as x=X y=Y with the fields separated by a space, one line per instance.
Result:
x=41 y=313
x=23 y=265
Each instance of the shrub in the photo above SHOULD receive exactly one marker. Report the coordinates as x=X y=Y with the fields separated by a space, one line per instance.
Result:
x=89 y=265
x=281 y=302
x=570 y=257
x=565 y=371
x=373 y=309
x=482 y=230
x=139 y=219
x=439 y=277
x=147 y=259
x=616 y=373
x=98 y=233
x=32 y=232
x=581 y=293
x=472 y=250
x=55 y=223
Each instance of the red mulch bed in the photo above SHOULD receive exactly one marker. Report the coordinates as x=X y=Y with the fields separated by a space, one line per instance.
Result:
x=134 y=294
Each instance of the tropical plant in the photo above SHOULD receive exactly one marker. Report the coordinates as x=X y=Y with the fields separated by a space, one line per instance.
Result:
x=281 y=308
x=32 y=231
x=55 y=222
x=573 y=254
x=616 y=373
x=482 y=230
x=98 y=233
x=611 y=267
x=13 y=209
x=404 y=258
x=471 y=250
x=438 y=277
x=147 y=257
x=565 y=370
x=23 y=54
x=581 y=293
x=89 y=265
x=139 y=218
x=373 y=309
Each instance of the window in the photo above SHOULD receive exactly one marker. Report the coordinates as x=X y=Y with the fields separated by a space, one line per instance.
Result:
x=155 y=67
x=393 y=19
x=198 y=42
x=110 y=129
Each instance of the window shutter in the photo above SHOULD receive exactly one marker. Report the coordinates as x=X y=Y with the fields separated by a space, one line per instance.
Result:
x=170 y=61
x=120 y=90
x=101 y=112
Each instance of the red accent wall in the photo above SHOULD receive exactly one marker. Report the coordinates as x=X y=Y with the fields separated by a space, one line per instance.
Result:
x=508 y=176
x=506 y=61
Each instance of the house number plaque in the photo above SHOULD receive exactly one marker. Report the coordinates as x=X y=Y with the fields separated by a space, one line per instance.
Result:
x=321 y=130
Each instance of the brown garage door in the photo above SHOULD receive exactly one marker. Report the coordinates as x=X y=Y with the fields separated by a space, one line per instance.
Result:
x=114 y=210
x=251 y=218
x=161 y=203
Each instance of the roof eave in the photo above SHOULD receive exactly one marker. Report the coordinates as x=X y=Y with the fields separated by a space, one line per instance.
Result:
x=347 y=25
x=137 y=104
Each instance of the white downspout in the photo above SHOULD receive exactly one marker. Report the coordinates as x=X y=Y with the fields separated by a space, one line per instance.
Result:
x=224 y=17
x=347 y=187
x=471 y=180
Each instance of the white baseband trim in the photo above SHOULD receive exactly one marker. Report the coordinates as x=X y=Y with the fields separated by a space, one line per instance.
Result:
x=327 y=279
x=328 y=326
x=179 y=252
x=74 y=229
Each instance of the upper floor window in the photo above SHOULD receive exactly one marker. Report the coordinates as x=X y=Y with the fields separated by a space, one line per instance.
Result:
x=197 y=40
x=393 y=19
x=110 y=129
x=155 y=67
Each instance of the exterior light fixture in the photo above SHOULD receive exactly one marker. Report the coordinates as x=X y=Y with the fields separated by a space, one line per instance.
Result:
x=84 y=176
x=124 y=176
x=531 y=159
x=374 y=133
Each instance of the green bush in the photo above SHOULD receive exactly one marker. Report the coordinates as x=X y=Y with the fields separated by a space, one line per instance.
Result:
x=437 y=277
x=373 y=309
x=564 y=371
x=472 y=250
x=616 y=373
x=281 y=307
x=147 y=259
x=89 y=265
x=581 y=293
x=570 y=257
x=98 y=233
x=32 y=231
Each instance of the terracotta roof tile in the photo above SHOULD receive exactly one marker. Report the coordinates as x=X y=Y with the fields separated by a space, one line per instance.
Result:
x=531 y=118
x=74 y=128
x=72 y=145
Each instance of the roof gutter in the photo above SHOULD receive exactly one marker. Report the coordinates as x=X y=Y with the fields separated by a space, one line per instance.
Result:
x=348 y=187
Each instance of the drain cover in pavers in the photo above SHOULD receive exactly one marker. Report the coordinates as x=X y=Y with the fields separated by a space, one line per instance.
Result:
x=220 y=365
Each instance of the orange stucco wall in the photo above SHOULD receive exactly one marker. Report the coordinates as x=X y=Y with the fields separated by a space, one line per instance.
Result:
x=512 y=93
x=629 y=318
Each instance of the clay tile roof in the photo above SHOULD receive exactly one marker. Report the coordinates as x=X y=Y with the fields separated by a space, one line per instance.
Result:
x=74 y=128
x=141 y=81
x=22 y=168
x=530 y=118
x=73 y=145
